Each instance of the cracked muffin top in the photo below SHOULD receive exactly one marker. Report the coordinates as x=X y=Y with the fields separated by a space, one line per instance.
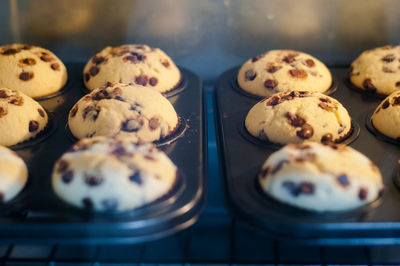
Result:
x=377 y=70
x=295 y=116
x=33 y=70
x=112 y=174
x=321 y=177
x=135 y=63
x=282 y=70
x=21 y=117
x=127 y=110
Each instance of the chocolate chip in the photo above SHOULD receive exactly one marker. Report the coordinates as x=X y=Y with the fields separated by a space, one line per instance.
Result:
x=25 y=76
x=17 y=101
x=272 y=68
x=10 y=51
x=385 y=104
x=92 y=112
x=310 y=63
x=87 y=204
x=86 y=76
x=100 y=95
x=250 y=75
x=275 y=100
x=110 y=204
x=324 y=106
x=131 y=125
x=136 y=107
x=295 y=120
x=398 y=84
x=368 y=86
x=46 y=58
x=262 y=135
x=255 y=59
x=141 y=80
x=343 y=180
x=26 y=47
x=298 y=73
x=3 y=112
x=93 y=180
x=97 y=60
x=290 y=58
x=327 y=138
x=388 y=58
x=90 y=135
x=270 y=84
x=306 y=131
x=165 y=63
x=3 y=94
x=153 y=81
x=55 y=66
x=73 y=111
x=119 y=98
x=33 y=125
x=120 y=151
x=137 y=178
x=94 y=70
x=306 y=188
x=62 y=166
x=154 y=123
x=363 y=193
x=279 y=166
x=41 y=112
x=325 y=100
x=264 y=172
x=67 y=177
x=27 y=61
x=150 y=158
x=134 y=58
x=396 y=101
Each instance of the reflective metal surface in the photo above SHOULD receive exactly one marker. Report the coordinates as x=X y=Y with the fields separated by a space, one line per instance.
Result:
x=207 y=36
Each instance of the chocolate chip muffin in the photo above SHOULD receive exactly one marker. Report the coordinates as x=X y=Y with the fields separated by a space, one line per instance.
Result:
x=137 y=64
x=21 y=118
x=128 y=110
x=295 y=116
x=377 y=70
x=282 y=70
x=318 y=177
x=112 y=174
x=13 y=174
x=33 y=70
x=386 y=118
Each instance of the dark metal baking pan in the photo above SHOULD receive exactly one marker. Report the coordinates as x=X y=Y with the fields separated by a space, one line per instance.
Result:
x=241 y=159
x=38 y=216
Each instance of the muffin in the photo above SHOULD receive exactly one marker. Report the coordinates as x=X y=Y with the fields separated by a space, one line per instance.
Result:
x=295 y=116
x=377 y=70
x=35 y=71
x=128 y=110
x=282 y=70
x=318 y=177
x=138 y=64
x=112 y=174
x=386 y=118
x=21 y=118
x=13 y=174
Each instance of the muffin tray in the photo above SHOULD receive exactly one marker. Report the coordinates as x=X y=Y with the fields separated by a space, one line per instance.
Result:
x=241 y=159
x=37 y=215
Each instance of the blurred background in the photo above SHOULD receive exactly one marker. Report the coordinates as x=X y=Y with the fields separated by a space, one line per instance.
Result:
x=207 y=36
